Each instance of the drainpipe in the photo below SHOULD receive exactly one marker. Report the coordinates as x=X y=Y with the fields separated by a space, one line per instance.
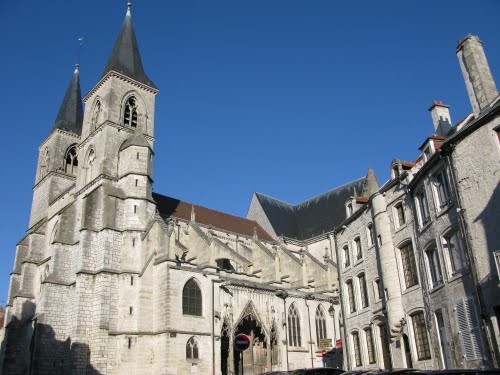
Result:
x=283 y=294
x=309 y=297
x=344 y=352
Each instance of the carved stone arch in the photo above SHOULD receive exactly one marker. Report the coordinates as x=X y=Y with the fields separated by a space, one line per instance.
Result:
x=251 y=311
x=89 y=165
x=404 y=242
x=44 y=163
x=53 y=234
x=95 y=114
x=140 y=103
x=70 y=162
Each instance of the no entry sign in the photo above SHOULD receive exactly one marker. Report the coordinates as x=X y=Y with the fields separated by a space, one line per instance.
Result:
x=241 y=342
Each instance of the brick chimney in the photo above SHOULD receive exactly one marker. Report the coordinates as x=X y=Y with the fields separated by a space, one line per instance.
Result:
x=477 y=75
x=440 y=113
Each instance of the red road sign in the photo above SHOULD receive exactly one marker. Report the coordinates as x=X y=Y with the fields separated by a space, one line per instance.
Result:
x=323 y=352
x=338 y=343
x=241 y=342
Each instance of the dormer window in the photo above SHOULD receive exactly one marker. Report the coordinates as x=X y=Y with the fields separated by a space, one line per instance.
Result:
x=395 y=171
x=71 y=161
x=427 y=153
x=349 y=209
x=130 y=115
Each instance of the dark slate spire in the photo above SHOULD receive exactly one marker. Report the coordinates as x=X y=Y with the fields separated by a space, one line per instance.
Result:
x=70 y=116
x=125 y=57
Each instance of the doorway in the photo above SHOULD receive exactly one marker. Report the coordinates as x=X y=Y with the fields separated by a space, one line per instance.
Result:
x=406 y=344
x=384 y=343
x=252 y=361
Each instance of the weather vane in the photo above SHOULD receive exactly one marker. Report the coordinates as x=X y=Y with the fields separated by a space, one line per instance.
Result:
x=80 y=44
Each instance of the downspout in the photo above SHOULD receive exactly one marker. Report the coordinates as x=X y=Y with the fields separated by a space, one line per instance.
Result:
x=465 y=230
x=344 y=352
x=310 y=335
x=213 y=327
x=283 y=294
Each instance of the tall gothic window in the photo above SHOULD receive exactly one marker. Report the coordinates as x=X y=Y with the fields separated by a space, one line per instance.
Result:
x=192 y=349
x=409 y=265
x=95 y=116
x=89 y=165
x=294 y=326
x=130 y=115
x=71 y=161
x=191 y=299
x=320 y=325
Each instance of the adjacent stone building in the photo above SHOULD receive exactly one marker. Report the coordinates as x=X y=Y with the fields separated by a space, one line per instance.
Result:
x=112 y=278
x=419 y=260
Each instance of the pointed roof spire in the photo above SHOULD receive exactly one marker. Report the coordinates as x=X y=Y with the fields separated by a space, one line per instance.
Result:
x=70 y=116
x=125 y=57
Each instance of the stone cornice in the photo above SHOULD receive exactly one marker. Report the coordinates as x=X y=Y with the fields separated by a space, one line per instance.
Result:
x=113 y=73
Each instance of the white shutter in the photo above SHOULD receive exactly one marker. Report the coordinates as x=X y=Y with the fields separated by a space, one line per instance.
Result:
x=475 y=329
x=468 y=325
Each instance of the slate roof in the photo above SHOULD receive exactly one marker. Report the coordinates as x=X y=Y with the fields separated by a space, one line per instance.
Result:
x=125 y=57
x=312 y=217
x=70 y=116
x=135 y=139
x=171 y=207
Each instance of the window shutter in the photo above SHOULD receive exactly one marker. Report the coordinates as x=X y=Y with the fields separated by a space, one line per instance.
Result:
x=470 y=331
x=475 y=329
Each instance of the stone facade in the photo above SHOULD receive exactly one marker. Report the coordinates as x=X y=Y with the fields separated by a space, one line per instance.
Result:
x=112 y=278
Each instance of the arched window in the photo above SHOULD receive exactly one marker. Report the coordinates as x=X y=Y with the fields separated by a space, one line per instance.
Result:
x=356 y=349
x=191 y=299
x=130 y=115
x=320 y=324
x=44 y=165
x=370 y=235
x=192 y=349
x=358 y=250
x=89 y=165
x=71 y=161
x=95 y=116
x=294 y=326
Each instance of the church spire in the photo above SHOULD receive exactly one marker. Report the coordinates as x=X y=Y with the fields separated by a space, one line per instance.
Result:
x=125 y=57
x=70 y=116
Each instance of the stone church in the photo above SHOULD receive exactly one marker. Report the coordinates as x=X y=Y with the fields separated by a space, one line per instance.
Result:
x=112 y=278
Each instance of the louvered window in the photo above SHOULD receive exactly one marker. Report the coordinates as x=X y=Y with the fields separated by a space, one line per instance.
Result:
x=470 y=332
x=130 y=115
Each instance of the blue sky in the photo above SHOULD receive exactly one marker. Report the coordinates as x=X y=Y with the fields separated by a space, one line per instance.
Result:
x=288 y=98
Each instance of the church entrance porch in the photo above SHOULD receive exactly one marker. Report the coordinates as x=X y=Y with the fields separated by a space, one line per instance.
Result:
x=252 y=361
x=261 y=356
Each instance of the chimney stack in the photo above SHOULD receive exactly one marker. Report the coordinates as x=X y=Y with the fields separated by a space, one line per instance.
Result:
x=440 y=113
x=477 y=75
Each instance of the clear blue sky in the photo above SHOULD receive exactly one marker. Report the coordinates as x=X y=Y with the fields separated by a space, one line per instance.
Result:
x=289 y=98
